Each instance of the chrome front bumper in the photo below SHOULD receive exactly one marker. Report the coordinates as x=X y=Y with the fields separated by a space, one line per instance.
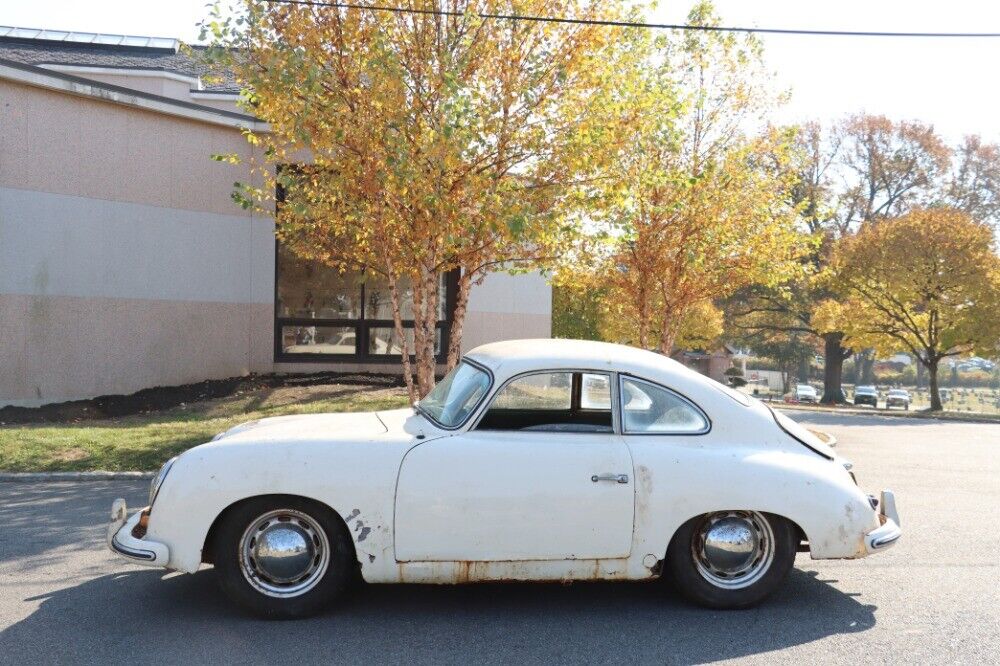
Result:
x=121 y=541
x=888 y=532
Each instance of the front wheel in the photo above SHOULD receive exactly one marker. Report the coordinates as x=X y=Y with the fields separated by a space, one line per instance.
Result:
x=731 y=559
x=282 y=557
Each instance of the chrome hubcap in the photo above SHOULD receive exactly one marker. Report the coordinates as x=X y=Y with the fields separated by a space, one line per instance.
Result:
x=733 y=549
x=284 y=553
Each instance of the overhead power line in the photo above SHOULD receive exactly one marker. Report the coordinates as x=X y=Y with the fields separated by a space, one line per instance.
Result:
x=631 y=24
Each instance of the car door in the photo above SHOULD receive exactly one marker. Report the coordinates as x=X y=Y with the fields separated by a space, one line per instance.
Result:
x=541 y=476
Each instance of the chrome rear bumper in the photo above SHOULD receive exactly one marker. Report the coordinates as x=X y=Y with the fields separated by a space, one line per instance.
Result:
x=886 y=535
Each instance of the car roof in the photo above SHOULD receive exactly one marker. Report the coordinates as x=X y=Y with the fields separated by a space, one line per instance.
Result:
x=731 y=412
x=515 y=356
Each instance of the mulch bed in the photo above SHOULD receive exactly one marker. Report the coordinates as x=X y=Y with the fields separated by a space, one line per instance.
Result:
x=166 y=397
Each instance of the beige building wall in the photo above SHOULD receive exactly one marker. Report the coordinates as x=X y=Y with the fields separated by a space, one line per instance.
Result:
x=123 y=262
x=508 y=307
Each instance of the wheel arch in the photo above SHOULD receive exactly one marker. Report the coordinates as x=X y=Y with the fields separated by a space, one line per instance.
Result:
x=207 y=556
x=796 y=528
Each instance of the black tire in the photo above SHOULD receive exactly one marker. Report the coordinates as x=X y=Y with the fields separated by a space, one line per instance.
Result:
x=331 y=584
x=683 y=570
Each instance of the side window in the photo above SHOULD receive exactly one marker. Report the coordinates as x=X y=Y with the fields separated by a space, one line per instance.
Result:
x=553 y=402
x=541 y=392
x=595 y=391
x=648 y=408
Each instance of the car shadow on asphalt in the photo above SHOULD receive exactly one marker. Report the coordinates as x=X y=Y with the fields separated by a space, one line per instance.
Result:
x=40 y=519
x=142 y=616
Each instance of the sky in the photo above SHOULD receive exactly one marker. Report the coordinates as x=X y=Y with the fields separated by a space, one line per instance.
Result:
x=950 y=83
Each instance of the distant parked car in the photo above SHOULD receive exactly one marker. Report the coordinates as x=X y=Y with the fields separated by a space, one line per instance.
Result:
x=866 y=395
x=897 y=398
x=805 y=393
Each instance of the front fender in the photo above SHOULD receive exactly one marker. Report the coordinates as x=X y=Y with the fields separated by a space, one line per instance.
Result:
x=355 y=480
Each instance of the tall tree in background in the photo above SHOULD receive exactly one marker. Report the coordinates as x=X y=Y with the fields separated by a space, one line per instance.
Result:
x=862 y=170
x=927 y=282
x=779 y=319
x=887 y=168
x=696 y=207
x=426 y=142
x=973 y=184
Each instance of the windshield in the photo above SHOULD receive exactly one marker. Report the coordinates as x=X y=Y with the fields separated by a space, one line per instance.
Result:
x=455 y=397
x=865 y=389
x=897 y=392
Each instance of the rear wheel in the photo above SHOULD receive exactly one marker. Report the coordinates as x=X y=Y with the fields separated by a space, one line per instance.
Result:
x=282 y=556
x=731 y=559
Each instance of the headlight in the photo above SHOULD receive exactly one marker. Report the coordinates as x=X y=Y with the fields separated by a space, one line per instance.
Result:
x=154 y=487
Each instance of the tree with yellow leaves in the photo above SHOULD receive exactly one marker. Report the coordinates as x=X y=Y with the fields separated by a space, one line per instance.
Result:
x=421 y=142
x=927 y=282
x=695 y=207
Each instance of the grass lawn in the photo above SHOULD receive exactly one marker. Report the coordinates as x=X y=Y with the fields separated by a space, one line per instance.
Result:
x=143 y=442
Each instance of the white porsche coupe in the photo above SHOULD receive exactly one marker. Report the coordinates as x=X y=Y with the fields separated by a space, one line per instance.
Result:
x=531 y=460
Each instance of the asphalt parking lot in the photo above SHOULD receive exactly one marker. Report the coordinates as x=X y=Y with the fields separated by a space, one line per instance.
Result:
x=933 y=598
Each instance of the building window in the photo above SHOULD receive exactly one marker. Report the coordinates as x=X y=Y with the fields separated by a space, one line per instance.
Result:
x=323 y=315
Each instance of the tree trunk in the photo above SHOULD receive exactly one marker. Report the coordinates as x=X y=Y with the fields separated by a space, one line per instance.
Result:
x=666 y=340
x=868 y=367
x=642 y=302
x=832 y=373
x=458 y=319
x=424 y=324
x=932 y=374
x=397 y=321
x=643 y=331
x=803 y=371
x=667 y=333
x=920 y=373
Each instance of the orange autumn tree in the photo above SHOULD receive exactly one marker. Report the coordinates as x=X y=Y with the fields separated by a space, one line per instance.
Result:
x=423 y=142
x=694 y=205
x=927 y=282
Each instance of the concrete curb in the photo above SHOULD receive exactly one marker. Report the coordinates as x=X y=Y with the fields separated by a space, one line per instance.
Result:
x=945 y=416
x=36 y=477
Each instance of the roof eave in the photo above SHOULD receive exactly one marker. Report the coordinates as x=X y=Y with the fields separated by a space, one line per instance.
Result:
x=75 y=85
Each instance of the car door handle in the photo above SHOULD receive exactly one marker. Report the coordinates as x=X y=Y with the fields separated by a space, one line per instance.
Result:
x=619 y=478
